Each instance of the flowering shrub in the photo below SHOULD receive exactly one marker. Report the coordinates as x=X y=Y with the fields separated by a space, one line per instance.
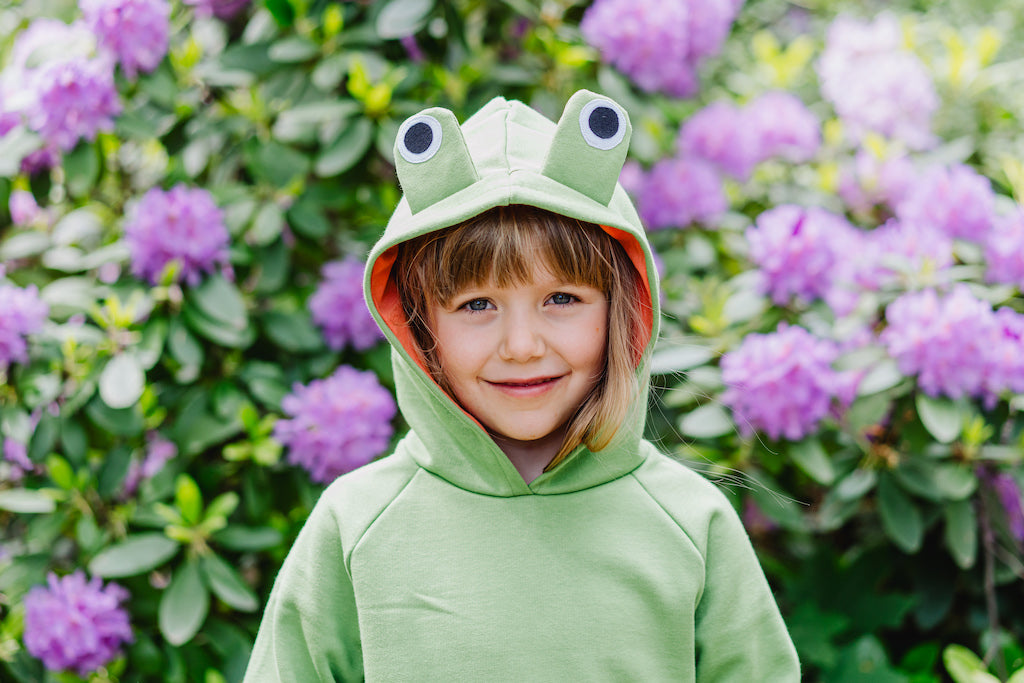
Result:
x=336 y=424
x=76 y=624
x=187 y=192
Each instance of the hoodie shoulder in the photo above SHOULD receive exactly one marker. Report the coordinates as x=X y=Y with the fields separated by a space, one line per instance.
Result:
x=356 y=499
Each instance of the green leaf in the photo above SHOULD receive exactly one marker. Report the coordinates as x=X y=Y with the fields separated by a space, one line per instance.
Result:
x=964 y=666
x=228 y=585
x=293 y=49
x=885 y=375
x=810 y=456
x=267 y=225
x=274 y=163
x=400 y=18
x=188 y=498
x=707 y=422
x=24 y=245
x=248 y=539
x=901 y=519
x=81 y=169
x=680 y=358
x=136 y=554
x=961 y=535
x=348 y=149
x=218 y=332
x=183 y=605
x=122 y=422
x=44 y=438
x=220 y=300
x=282 y=12
x=293 y=332
x=113 y=471
x=940 y=416
x=1017 y=677
x=308 y=219
x=183 y=346
x=26 y=501
x=122 y=381
x=15 y=145
x=856 y=484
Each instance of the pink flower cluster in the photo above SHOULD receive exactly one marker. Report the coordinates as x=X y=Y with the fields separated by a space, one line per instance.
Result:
x=783 y=383
x=659 y=44
x=22 y=314
x=134 y=32
x=875 y=83
x=956 y=344
x=76 y=624
x=336 y=424
x=798 y=250
x=57 y=84
x=955 y=200
x=736 y=139
x=1004 y=251
x=339 y=310
x=182 y=225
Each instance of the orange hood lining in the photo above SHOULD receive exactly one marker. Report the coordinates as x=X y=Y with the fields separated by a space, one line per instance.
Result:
x=384 y=292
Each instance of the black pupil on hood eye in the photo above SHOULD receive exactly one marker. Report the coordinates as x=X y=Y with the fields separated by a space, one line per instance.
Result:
x=604 y=122
x=418 y=138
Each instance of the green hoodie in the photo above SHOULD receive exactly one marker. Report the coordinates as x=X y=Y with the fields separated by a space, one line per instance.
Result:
x=439 y=562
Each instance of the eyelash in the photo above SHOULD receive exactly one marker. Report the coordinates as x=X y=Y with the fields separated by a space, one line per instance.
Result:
x=572 y=300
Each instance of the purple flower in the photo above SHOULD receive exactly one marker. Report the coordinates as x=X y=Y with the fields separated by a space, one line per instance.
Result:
x=784 y=126
x=871 y=181
x=797 y=251
x=659 y=44
x=721 y=134
x=339 y=309
x=222 y=9
x=956 y=200
x=182 y=225
x=782 y=383
x=159 y=451
x=1004 y=251
x=1006 y=362
x=74 y=101
x=74 y=624
x=134 y=31
x=23 y=207
x=16 y=453
x=898 y=250
x=946 y=341
x=58 y=85
x=22 y=313
x=1008 y=492
x=337 y=424
x=875 y=84
x=678 y=192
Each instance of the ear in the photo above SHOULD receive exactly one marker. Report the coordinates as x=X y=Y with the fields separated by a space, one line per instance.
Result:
x=589 y=146
x=432 y=159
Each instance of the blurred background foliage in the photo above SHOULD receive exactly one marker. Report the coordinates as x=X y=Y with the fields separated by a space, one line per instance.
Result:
x=138 y=427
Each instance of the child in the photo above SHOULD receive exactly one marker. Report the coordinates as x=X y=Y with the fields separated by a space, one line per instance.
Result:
x=523 y=530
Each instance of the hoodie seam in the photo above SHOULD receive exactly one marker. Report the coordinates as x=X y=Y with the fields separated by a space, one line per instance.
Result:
x=668 y=514
x=383 y=509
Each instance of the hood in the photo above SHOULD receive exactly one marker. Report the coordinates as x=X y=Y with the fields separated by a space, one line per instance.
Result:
x=506 y=153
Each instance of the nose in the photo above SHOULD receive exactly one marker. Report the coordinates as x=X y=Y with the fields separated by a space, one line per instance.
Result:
x=522 y=339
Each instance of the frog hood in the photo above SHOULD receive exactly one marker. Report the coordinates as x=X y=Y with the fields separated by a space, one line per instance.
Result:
x=505 y=154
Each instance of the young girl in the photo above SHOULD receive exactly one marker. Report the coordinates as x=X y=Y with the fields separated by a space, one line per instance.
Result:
x=523 y=530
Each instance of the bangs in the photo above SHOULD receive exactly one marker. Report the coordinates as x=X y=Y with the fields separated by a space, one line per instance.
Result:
x=502 y=247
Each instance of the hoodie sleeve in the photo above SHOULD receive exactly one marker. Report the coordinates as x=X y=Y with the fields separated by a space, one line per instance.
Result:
x=740 y=634
x=310 y=630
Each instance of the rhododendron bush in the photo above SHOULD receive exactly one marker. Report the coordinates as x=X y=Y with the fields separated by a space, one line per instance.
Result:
x=189 y=188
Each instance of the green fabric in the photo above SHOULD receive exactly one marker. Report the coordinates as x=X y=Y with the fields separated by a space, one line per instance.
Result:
x=439 y=562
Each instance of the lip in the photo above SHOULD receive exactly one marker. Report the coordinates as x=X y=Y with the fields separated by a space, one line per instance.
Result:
x=526 y=387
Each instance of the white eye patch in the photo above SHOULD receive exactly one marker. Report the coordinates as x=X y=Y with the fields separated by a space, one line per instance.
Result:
x=419 y=138
x=602 y=123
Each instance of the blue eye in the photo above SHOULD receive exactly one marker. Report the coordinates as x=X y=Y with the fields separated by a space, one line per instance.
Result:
x=477 y=305
x=562 y=299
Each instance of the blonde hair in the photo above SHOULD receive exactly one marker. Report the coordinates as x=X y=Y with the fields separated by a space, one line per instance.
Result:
x=501 y=246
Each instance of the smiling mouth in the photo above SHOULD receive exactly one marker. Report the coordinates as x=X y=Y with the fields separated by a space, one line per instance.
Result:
x=522 y=384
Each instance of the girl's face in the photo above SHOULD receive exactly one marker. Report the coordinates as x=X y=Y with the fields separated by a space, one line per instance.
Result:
x=521 y=359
